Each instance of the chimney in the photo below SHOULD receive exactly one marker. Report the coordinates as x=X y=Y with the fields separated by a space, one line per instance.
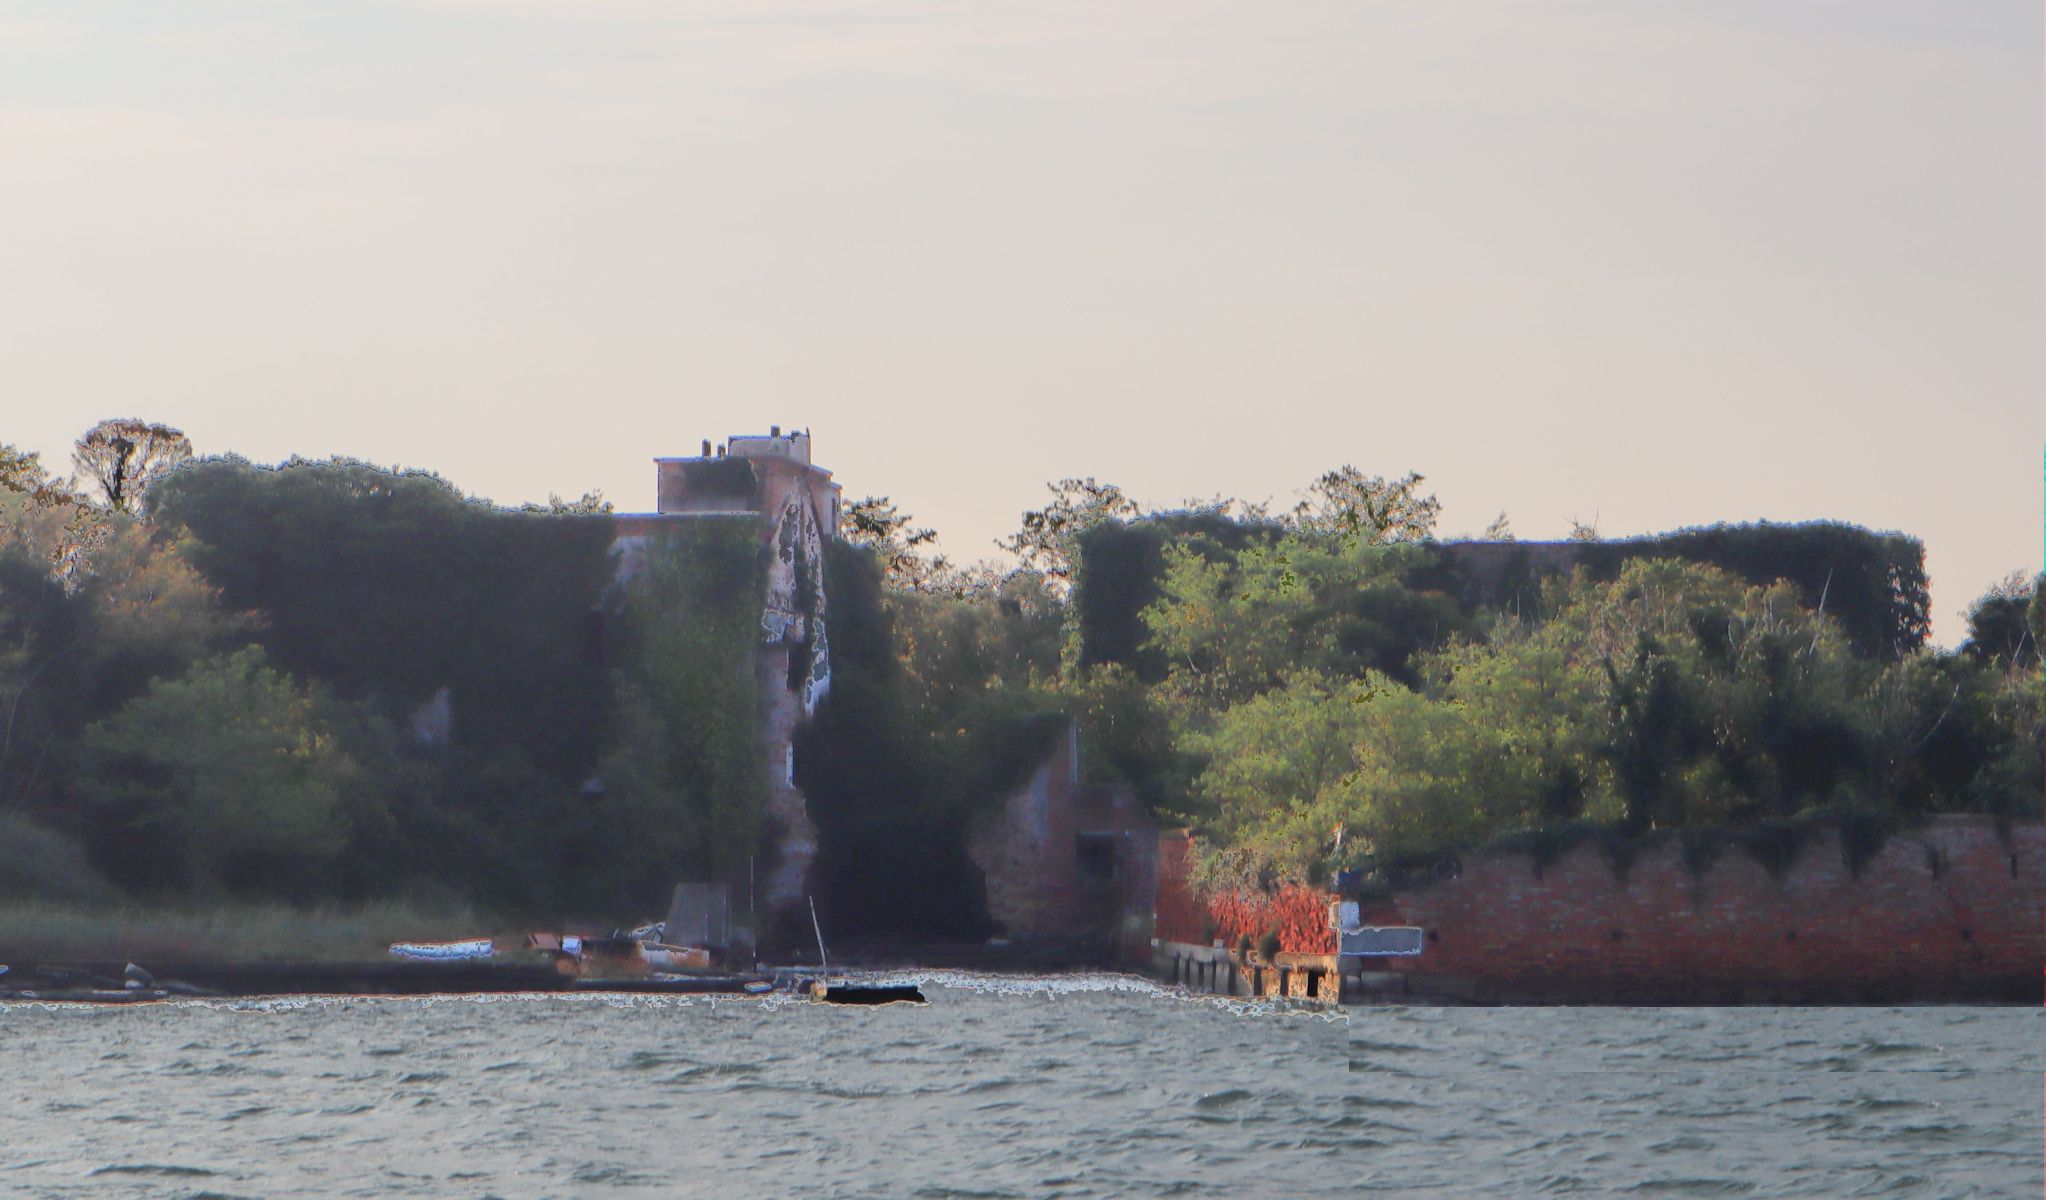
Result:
x=706 y=447
x=774 y=431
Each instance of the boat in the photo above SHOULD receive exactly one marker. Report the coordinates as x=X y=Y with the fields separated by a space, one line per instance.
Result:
x=444 y=951
x=843 y=991
x=662 y=957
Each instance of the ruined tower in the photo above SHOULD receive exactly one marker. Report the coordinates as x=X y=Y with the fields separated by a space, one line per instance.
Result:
x=769 y=481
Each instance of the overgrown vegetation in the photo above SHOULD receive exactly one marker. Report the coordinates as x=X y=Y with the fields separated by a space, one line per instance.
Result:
x=330 y=684
x=680 y=793
x=938 y=707
x=1329 y=692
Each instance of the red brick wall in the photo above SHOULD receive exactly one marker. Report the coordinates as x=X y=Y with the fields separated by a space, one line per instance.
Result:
x=1976 y=918
x=1025 y=851
x=1973 y=920
x=1028 y=854
x=1181 y=915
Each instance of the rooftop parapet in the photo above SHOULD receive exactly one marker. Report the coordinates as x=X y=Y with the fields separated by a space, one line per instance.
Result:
x=773 y=444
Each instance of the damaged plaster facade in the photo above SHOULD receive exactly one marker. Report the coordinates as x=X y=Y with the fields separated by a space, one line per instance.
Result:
x=771 y=482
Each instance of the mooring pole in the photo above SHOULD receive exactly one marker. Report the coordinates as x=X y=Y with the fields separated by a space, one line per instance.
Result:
x=821 y=964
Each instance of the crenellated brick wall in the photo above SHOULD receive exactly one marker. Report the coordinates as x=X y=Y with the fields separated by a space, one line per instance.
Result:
x=1949 y=911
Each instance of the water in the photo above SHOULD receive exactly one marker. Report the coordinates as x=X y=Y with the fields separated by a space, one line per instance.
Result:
x=1100 y=1086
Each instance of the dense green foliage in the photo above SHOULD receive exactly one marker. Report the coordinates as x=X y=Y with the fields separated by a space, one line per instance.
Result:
x=231 y=765
x=1672 y=695
x=682 y=794
x=1333 y=691
x=2006 y=623
x=363 y=574
x=326 y=681
x=330 y=682
x=1873 y=585
x=1121 y=568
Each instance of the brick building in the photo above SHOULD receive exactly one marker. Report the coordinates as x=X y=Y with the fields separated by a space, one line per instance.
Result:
x=794 y=505
x=1065 y=859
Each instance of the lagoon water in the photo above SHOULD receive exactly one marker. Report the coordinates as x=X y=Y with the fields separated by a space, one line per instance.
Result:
x=1083 y=1086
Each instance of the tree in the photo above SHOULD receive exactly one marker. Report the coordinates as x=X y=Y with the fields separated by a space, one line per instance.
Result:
x=1348 y=502
x=1228 y=508
x=1230 y=626
x=1872 y=583
x=1282 y=765
x=1324 y=772
x=2000 y=622
x=874 y=522
x=41 y=515
x=153 y=613
x=1533 y=685
x=53 y=528
x=125 y=456
x=1044 y=542
x=892 y=770
x=1500 y=530
x=231 y=762
x=45 y=635
x=589 y=504
x=21 y=472
x=957 y=647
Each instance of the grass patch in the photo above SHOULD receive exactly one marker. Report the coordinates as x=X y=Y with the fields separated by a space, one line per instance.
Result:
x=32 y=931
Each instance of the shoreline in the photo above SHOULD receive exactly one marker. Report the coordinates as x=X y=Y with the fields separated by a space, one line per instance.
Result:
x=101 y=982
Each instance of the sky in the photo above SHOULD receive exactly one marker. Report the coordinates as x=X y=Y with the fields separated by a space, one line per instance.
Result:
x=1640 y=264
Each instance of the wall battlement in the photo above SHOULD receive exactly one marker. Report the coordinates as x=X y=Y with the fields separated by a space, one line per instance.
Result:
x=1949 y=911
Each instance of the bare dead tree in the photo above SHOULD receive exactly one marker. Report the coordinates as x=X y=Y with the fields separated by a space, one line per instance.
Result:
x=124 y=456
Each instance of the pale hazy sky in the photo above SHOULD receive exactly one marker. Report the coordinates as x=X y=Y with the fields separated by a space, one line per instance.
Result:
x=1653 y=262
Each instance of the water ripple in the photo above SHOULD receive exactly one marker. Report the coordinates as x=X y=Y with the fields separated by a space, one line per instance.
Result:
x=1085 y=1085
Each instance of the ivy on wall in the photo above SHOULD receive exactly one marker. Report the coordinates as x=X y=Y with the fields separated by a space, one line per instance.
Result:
x=683 y=790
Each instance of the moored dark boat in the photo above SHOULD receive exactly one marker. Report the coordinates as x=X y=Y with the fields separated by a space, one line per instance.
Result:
x=867 y=993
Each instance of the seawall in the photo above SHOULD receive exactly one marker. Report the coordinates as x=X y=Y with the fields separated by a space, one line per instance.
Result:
x=1948 y=912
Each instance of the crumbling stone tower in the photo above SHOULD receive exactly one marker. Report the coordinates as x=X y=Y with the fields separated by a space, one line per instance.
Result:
x=770 y=481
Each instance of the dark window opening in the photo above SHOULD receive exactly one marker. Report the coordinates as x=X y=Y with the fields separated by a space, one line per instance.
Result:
x=1095 y=855
x=799 y=665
